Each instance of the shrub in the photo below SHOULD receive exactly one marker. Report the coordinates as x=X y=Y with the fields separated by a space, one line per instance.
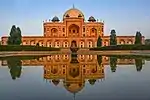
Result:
x=122 y=47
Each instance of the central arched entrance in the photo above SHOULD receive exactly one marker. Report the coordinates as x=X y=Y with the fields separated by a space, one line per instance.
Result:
x=74 y=44
x=74 y=47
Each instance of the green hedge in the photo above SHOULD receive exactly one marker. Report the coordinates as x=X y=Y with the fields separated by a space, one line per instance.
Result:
x=130 y=56
x=26 y=48
x=22 y=57
x=122 y=47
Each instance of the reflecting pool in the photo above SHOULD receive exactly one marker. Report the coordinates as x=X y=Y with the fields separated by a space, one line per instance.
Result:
x=75 y=77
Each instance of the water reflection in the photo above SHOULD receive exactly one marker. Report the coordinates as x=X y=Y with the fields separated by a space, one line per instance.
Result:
x=139 y=64
x=113 y=63
x=15 y=66
x=137 y=60
x=73 y=69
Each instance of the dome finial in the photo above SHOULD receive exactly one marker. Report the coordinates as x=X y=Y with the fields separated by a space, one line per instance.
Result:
x=73 y=6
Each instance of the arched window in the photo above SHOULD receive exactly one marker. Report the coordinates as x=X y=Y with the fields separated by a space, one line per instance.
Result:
x=57 y=44
x=74 y=72
x=102 y=29
x=24 y=42
x=130 y=42
x=65 y=57
x=83 y=29
x=49 y=57
x=54 y=70
x=54 y=32
x=49 y=44
x=122 y=42
x=41 y=43
x=44 y=29
x=79 y=15
x=90 y=57
x=82 y=44
x=73 y=30
x=63 y=29
x=93 y=32
x=81 y=57
x=67 y=15
x=65 y=44
x=57 y=57
x=90 y=44
x=32 y=42
x=107 y=42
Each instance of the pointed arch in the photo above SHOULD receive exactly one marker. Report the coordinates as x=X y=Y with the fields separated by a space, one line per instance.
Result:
x=54 y=32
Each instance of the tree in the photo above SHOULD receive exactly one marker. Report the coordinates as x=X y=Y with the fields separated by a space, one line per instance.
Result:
x=113 y=40
x=74 y=59
x=56 y=81
x=15 y=66
x=99 y=42
x=15 y=36
x=138 y=38
x=138 y=64
x=92 y=81
x=99 y=59
x=12 y=35
x=19 y=40
x=113 y=63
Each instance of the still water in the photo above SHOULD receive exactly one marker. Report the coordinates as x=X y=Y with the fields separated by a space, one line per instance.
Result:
x=75 y=77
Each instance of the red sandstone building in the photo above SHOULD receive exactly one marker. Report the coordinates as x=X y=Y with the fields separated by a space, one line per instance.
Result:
x=73 y=28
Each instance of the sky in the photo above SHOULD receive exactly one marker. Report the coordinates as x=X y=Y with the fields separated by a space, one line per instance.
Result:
x=125 y=16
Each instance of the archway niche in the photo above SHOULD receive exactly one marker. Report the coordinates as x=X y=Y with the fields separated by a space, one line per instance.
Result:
x=93 y=32
x=54 y=32
x=122 y=42
x=57 y=44
x=74 y=72
x=73 y=43
x=82 y=44
x=32 y=42
x=130 y=42
x=90 y=44
x=73 y=30
x=65 y=44
x=41 y=43
x=49 y=44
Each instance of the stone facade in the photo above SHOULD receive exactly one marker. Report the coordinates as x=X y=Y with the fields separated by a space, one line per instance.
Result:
x=73 y=28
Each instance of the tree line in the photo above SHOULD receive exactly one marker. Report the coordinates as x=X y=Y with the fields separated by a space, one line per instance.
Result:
x=113 y=39
x=113 y=60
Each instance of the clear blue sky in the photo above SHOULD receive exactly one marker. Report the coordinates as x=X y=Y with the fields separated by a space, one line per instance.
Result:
x=125 y=16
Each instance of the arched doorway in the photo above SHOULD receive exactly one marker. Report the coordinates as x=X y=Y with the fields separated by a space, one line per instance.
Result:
x=81 y=45
x=54 y=32
x=74 y=44
x=90 y=44
x=93 y=32
x=74 y=48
